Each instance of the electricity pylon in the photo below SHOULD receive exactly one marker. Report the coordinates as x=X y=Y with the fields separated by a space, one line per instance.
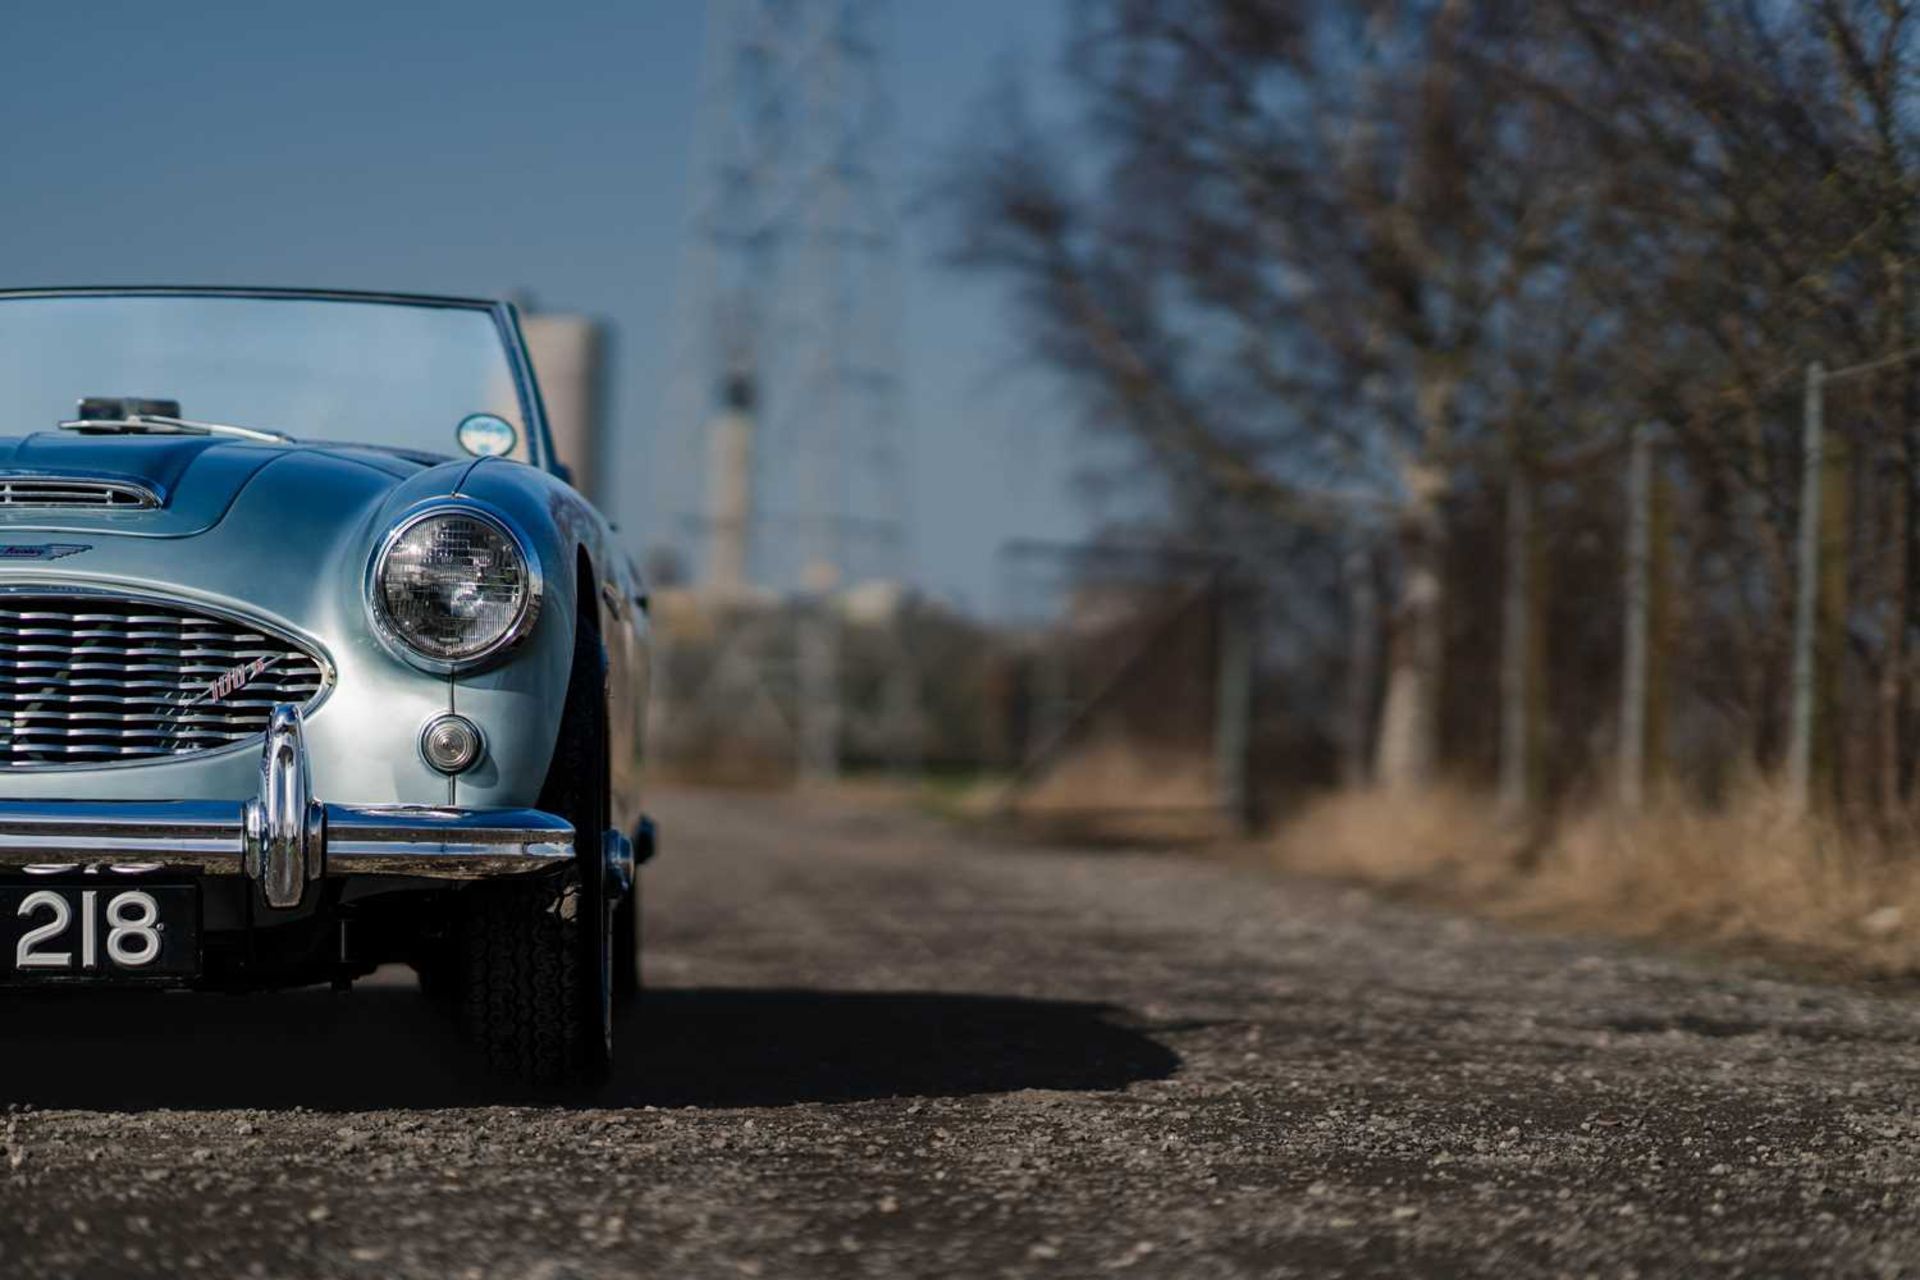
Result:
x=782 y=463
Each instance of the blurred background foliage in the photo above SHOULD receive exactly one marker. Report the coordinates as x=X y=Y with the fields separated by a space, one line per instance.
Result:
x=1375 y=299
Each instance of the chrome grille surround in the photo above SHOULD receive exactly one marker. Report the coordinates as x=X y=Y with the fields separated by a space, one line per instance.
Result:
x=92 y=679
x=75 y=491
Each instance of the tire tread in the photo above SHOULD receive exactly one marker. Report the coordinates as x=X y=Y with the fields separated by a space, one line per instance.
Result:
x=521 y=963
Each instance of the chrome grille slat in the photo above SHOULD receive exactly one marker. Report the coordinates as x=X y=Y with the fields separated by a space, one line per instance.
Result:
x=94 y=680
x=167 y=673
x=116 y=626
x=31 y=615
x=142 y=650
x=28 y=692
x=264 y=696
x=27 y=721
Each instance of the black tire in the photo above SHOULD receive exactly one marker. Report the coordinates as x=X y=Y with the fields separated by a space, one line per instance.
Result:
x=526 y=990
x=536 y=959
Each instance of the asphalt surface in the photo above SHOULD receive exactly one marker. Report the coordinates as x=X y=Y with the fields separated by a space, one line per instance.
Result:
x=876 y=1047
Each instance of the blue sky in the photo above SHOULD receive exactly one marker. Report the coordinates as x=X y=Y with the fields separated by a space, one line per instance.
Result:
x=488 y=148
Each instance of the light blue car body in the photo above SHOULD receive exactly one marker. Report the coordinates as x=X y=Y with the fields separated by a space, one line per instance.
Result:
x=285 y=532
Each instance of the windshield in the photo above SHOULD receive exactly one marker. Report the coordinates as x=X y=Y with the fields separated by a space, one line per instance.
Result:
x=396 y=374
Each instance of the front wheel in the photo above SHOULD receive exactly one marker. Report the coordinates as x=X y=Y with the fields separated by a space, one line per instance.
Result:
x=531 y=999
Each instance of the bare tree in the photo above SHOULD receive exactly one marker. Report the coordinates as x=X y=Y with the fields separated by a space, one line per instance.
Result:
x=1352 y=268
x=1290 y=272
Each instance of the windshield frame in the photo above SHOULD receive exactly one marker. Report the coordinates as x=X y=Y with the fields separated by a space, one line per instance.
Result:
x=506 y=321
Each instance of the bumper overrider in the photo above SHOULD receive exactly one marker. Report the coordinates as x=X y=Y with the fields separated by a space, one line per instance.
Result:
x=284 y=839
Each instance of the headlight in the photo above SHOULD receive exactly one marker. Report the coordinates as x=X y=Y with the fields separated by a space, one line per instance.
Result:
x=453 y=584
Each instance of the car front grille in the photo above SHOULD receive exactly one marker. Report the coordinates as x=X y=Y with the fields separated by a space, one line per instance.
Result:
x=100 y=680
x=67 y=491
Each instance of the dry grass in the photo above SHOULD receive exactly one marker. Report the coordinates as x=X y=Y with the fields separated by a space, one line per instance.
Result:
x=1745 y=875
x=1441 y=839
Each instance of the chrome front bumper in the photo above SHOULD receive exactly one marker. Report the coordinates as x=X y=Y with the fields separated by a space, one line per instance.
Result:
x=283 y=838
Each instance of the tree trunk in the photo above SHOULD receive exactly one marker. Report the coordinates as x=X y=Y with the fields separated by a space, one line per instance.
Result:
x=1408 y=747
x=1516 y=649
x=1806 y=594
x=1660 y=627
x=1907 y=611
x=1363 y=636
x=1830 y=647
x=1632 y=764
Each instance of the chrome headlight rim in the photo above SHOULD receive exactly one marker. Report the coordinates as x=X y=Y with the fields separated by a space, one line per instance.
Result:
x=390 y=636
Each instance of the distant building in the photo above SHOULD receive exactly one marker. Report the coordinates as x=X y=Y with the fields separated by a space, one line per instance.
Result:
x=570 y=359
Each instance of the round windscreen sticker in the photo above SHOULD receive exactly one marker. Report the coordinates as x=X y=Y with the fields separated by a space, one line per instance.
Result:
x=487 y=435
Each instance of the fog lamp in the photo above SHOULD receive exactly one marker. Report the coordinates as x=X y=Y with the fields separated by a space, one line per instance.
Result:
x=451 y=744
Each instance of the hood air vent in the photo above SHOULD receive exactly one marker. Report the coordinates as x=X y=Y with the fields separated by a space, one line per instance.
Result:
x=74 y=491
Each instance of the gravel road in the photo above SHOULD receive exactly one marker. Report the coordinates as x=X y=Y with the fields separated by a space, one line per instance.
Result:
x=875 y=1047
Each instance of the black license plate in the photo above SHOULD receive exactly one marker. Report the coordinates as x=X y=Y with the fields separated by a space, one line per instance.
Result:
x=98 y=932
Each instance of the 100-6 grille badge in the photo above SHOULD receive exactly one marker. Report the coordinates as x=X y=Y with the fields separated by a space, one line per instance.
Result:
x=233 y=680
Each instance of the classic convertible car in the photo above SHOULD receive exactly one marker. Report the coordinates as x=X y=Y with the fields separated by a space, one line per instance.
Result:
x=311 y=660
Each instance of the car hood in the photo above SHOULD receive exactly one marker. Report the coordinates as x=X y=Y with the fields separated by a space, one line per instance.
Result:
x=276 y=529
x=282 y=533
x=195 y=478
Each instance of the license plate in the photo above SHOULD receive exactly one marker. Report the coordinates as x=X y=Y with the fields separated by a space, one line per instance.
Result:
x=101 y=933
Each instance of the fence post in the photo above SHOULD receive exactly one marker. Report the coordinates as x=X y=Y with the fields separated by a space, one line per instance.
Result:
x=1234 y=711
x=1633 y=683
x=1806 y=594
x=817 y=723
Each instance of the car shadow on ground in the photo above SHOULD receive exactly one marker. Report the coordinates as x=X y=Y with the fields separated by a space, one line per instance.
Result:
x=385 y=1047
